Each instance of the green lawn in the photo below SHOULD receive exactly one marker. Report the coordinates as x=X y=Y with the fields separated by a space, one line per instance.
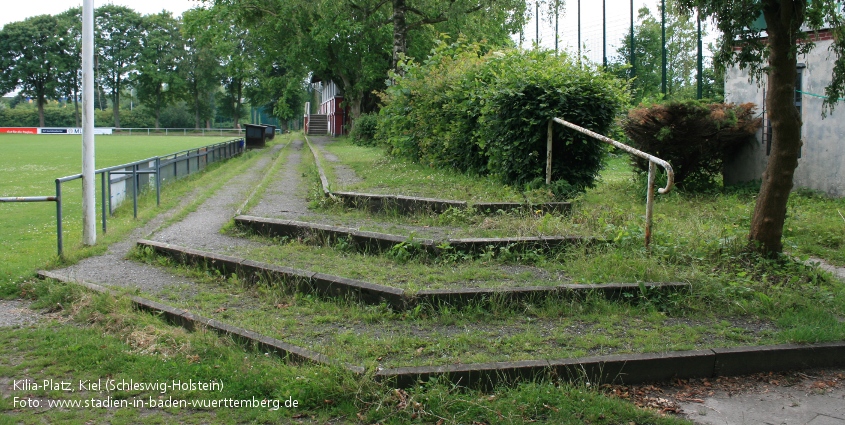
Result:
x=29 y=167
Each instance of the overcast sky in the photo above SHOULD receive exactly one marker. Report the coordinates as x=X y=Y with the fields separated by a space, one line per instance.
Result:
x=18 y=10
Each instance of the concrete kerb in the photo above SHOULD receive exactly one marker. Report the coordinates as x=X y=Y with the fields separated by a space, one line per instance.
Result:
x=626 y=368
x=193 y=322
x=379 y=242
x=413 y=205
x=398 y=299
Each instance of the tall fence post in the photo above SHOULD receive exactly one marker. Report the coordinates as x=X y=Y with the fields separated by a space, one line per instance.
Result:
x=103 y=199
x=135 y=190
x=59 y=215
x=549 y=154
x=158 y=181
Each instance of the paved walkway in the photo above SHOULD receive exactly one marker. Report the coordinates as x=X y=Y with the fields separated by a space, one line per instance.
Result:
x=776 y=407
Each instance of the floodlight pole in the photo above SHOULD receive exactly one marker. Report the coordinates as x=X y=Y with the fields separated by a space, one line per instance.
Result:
x=604 y=33
x=89 y=213
x=663 y=46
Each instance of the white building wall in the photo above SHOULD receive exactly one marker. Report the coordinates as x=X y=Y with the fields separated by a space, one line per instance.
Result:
x=822 y=163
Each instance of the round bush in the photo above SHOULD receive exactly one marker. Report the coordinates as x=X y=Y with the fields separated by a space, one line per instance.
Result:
x=488 y=113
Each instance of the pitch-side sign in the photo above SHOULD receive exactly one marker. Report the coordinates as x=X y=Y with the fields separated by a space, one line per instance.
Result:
x=51 y=130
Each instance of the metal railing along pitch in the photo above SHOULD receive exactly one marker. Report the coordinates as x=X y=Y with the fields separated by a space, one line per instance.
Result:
x=117 y=181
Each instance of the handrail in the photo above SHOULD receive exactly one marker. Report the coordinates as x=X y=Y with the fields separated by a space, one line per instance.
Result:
x=670 y=174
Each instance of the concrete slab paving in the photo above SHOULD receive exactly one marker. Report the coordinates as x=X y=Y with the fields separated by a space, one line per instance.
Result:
x=807 y=403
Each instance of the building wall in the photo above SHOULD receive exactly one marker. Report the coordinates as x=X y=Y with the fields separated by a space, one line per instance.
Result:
x=822 y=163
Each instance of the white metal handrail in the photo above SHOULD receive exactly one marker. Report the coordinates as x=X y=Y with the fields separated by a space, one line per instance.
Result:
x=670 y=174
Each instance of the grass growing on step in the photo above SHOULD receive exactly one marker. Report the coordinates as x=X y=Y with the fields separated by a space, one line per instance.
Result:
x=387 y=175
x=106 y=339
x=483 y=332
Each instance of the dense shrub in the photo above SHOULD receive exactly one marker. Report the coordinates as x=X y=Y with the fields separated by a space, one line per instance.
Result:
x=487 y=113
x=694 y=136
x=364 y=130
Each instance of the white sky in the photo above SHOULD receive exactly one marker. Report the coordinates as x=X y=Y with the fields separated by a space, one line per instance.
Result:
x=618 y=24
x=18 y=10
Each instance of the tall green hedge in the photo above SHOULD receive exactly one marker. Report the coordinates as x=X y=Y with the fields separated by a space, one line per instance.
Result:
x=487 y=113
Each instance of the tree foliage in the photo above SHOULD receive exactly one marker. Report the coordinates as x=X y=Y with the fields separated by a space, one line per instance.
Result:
x=117 y=32
x=30 y=54
x=159 y=79
x=681 y=56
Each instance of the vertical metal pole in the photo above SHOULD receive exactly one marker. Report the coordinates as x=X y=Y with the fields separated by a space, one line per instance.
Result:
x=103 y=199
x=59 y=216
x=111 y=208
x=158 y=181
x=604 y=32
x=549 y=154
x=135 y=190
x=89 y=206
x=557 y=13
x=699 y=92
x=536 y=24
x=649 y=203
x=663 y=46
x=579 y=31
x=632 y=54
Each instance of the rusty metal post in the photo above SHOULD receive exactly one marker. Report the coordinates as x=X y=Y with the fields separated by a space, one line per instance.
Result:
x=549 y=154
x=649 y=203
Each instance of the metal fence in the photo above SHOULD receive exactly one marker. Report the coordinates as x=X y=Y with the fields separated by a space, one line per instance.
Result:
x=119 y=183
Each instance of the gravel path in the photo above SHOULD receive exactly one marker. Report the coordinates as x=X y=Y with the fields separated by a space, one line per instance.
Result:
x=16 y=313
x=284 y=197
x=199 y=229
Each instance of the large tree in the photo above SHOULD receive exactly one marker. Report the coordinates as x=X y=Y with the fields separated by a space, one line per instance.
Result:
x=70 y=66
x=118 y=34
x=159 y=80
x=200 y=66
x=30 y=52
x=773 y=50
x=357 y=42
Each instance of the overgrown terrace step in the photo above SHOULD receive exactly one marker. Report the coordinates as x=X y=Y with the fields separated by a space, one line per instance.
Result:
x=614 y=369
x=413 y=204
x=379 y=242
x=398 y=299
x=192 y=322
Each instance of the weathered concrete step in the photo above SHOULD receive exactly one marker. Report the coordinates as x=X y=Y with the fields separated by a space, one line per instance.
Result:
x=412 y=204
x=380 y=242
x=398 y=299
x=629 y=368
x=192 y=322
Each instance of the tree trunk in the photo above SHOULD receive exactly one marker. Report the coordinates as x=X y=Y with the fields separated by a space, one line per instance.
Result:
x=770 y=210
x=158 y=109
x=116 y=107
x=238 y=106
x=400 y=33
x=41 y=102
x=196 y=110
x=76 y=107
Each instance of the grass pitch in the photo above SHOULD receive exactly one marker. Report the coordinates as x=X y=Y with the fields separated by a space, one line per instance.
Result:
x=29 y=167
